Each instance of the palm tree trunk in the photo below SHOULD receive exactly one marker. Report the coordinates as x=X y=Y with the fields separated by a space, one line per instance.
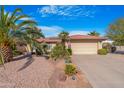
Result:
x=29 y=48
x=7 y=53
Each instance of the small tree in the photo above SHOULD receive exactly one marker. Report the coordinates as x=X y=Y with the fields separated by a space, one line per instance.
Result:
x=116 y=32
x=60 y=50
x=64 y=36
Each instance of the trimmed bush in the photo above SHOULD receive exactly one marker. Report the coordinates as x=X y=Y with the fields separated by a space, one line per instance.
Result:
x=70 y=51
x=102 y=51
x=70 y=69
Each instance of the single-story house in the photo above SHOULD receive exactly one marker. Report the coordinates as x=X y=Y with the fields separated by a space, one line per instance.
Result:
x=80 y=44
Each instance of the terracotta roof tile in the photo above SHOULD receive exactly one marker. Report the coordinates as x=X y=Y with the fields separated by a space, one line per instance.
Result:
x=86 y=37
x=56 y=39
x=48 y=40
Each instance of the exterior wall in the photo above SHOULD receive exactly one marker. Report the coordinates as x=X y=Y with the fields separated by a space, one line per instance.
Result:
x=51 y=45
x=99 y=45
x=85 y=46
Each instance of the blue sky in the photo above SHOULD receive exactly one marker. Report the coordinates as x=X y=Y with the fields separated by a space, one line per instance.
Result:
x=74 y=19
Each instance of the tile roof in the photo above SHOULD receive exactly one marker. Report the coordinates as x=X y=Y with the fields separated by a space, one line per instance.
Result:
x=73 y=37
x=47 y=40
x=86 y=37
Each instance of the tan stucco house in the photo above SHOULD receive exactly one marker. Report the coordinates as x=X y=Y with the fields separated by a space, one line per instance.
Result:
x=80 y=44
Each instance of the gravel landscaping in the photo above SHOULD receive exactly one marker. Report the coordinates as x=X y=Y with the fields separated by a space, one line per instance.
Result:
x=25 y=73
x=38 y=72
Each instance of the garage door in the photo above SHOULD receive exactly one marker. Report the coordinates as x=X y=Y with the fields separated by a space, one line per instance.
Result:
x=84 y=47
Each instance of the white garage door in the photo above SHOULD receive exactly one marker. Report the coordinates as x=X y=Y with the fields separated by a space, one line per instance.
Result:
x=84 y=47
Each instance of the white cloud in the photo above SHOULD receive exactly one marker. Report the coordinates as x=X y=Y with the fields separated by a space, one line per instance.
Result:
x=28 y=18
x=67 y=10
x=49 y=31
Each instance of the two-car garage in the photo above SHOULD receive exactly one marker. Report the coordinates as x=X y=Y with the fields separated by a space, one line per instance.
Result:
x=84 y=46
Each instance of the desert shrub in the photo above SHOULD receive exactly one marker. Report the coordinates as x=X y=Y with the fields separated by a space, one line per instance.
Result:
x=70 y=69
x=70 y=51
x=102 y=51
x=59 y=52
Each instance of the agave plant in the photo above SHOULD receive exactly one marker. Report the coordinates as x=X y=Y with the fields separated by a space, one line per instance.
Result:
x=9 y=24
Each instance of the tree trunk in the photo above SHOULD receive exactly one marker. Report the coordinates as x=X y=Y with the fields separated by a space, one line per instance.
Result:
x=29 y=48
x=7 y=53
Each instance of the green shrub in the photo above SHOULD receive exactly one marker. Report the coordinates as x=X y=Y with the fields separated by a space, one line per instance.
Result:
x=107 y=46
x=16 y=53
x=59 y=52
x=70 y=69
x=102 y=51
x=70 y=51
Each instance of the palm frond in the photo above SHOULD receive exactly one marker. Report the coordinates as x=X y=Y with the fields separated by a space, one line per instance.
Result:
x=2 y=15
x=18 y=10
x=20 y=17
x=26 y=22
x=6 y=17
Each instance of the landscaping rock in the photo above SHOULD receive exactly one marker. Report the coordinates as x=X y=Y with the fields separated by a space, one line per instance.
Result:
x=58 y=80
x=62 y=77
x=4 y=80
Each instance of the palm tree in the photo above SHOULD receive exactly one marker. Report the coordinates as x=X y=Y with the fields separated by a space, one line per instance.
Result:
x=9 y=24
x=94 y=33
x=29 y=35
x=64 y=36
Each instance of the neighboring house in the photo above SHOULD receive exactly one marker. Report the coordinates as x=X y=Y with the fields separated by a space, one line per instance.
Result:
x=80 y=44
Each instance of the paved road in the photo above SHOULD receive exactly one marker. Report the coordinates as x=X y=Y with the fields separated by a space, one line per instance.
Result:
x=102 y=71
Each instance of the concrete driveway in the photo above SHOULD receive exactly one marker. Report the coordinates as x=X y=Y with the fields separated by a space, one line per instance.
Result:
x=102 y=71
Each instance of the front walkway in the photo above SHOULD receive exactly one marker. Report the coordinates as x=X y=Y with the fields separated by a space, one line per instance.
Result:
x=102 y=71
